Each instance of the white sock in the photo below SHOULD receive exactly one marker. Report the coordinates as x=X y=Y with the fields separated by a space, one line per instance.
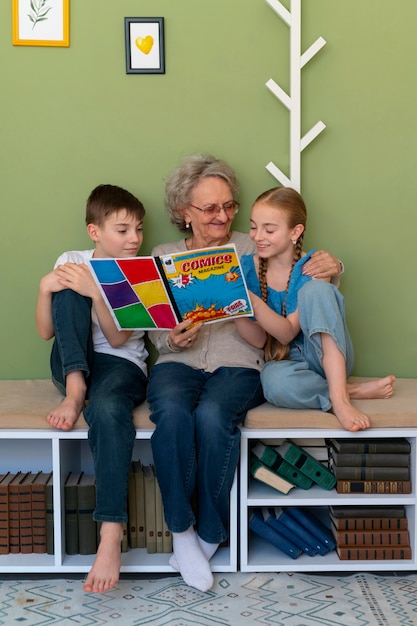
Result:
x=208 y=549
x=192 y=563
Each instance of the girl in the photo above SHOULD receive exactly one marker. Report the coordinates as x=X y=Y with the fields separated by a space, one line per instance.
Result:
x=301 y=321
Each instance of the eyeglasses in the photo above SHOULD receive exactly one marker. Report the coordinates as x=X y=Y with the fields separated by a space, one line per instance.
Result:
x=230 y=208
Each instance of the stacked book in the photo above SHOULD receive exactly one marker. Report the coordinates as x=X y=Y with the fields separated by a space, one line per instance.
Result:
x=370 y=532
x=292 y=530
x=289 y=465
x=146 y=526
x=371 y=465
x=23 y=512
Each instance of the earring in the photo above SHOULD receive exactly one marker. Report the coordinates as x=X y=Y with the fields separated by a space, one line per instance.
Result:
x=187 y=224
x=294 y=241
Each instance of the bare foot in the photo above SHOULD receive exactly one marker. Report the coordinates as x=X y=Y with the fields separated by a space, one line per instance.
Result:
x=351 y=419
x=380 y=388
x=65 y=414
x=106 y=568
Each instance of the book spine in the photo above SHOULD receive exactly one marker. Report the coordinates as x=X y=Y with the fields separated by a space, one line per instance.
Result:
x=310 y=466
x=370 y=473
x=87 y=530
x=372 y=538
x=316 y=527
x=392 y=446
x=25 y=515
x=150 y=512
x=140 y=509
x=370 y=523
x=277 y=525
x=50 y=525
x=305 y=532
x=382 y=553
x=373 y=486
x=71 y=516
x=371 y=460
x=131 y=506
x=261 y=528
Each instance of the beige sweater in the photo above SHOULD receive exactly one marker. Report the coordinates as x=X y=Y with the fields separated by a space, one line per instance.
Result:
x=218 y=344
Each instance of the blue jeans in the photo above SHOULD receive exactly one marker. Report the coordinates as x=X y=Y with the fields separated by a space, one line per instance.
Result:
x=196 y=441
x=300 y=382
x=114 y=387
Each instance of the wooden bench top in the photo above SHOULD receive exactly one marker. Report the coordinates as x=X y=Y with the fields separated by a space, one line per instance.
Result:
x=25 y=404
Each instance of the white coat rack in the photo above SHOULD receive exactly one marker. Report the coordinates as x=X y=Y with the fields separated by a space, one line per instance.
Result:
x=292 y=101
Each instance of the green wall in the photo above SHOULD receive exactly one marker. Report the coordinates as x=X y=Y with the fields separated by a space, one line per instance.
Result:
x=71 y=118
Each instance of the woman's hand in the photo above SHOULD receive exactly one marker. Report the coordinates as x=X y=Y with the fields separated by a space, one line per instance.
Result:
x=183 y=336
x=322 y=265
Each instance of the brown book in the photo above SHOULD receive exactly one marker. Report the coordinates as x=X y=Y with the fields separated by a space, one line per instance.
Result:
x=371 y=538
x=25 y=513
x=373 y=486
x=363 y=472
x=4 y=512
x=14 y=529
x=381 y=459
x=50 y=522
x=371 y=446
x=381 y=553
x=39 y=511
x=368 y=523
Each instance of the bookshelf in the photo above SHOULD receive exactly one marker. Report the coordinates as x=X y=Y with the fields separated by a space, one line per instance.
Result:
x=256 y=555
x=61 y=452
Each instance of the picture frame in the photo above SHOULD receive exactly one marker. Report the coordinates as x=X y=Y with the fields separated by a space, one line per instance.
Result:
x=40 y=23
x=145 y=45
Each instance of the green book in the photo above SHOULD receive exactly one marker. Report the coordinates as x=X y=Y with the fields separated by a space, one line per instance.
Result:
x=307 y=464
x=71 y=516
x=267 y=476
x=86 y=503
x=272 y=458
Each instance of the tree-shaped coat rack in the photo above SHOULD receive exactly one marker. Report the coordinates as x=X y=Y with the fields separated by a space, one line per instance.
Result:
x=292 y=101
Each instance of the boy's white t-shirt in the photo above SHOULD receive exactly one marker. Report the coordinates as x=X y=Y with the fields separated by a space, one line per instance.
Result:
x=134 y=349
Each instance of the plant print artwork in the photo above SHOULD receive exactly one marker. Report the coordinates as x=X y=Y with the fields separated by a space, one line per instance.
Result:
x=39 y=11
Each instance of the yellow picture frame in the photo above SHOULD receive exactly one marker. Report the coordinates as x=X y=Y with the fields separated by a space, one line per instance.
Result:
x=40 y=23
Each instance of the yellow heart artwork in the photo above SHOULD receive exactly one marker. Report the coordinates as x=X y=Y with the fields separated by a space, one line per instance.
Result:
x=144 y=44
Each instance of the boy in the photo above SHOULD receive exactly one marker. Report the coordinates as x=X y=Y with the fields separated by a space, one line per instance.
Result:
x=91 y=359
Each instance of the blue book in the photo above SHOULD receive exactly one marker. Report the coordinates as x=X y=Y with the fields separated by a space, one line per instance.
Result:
x=277 y=525
x=304 y=532
x=259 y=526
x=311 y=521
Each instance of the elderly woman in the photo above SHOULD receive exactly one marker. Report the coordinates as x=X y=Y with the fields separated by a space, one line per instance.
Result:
x=205 y=379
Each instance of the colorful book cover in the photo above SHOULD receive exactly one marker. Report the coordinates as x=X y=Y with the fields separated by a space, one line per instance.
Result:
x=147 y=293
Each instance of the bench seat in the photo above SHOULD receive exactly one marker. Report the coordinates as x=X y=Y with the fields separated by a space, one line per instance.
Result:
x=25 y=403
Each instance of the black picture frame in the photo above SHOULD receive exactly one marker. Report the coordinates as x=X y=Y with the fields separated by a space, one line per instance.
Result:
x=144 y=45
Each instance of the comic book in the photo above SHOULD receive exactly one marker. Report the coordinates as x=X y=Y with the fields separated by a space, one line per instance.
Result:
x=147 y=293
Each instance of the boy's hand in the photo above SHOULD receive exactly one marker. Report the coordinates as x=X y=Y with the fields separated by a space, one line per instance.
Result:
x=78 y=278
